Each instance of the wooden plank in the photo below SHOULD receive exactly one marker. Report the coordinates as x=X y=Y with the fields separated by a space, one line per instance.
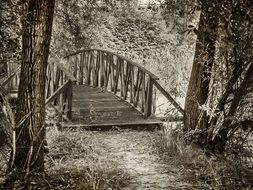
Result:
x=87 y=108
x=112 y=123
x=101 y=104
x=90 y=95
x=101 y=100
x=108 y=110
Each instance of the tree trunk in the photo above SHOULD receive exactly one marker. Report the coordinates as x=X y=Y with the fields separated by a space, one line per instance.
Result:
x=198 y=87
x=30 y=115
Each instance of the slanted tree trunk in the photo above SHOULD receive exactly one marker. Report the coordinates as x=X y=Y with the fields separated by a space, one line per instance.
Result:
x=37 y=19
x=198 y=87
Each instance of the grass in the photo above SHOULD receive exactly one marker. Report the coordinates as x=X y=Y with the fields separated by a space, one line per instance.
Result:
x=201 y=171
x=75 y=162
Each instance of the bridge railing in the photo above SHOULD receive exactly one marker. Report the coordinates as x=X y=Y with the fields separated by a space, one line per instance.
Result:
x=58 y=86
x=125 y=78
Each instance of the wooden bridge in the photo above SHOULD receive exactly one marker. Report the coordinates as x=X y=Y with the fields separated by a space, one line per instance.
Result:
x=98 y=88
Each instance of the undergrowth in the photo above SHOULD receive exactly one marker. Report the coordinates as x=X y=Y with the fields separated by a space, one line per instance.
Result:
x=200 y=170
x=75 y=162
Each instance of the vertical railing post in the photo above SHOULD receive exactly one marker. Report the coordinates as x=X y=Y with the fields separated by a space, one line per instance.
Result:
x=82 y=58
x=154 y=100
x=143 y=95
x=149 y=97
x=75 y=67
x=97 y=68
x=112 y=72
x=102 y=71
x=69 y=99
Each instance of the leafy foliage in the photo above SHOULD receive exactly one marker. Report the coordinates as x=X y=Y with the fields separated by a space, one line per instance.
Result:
x=139 y=34
x=9 y=32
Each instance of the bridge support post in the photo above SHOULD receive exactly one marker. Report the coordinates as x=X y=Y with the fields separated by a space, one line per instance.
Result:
x=69 y=99
x=149 y=97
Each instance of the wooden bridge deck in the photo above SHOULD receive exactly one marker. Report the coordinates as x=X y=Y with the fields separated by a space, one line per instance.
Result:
x=94 y=107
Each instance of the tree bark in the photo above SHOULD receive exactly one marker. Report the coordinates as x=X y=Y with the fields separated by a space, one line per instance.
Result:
x=30 y=115
x=198 y=87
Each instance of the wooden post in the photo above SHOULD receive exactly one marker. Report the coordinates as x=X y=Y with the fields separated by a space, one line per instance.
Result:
x=132 y=84
x=118 y=65
x=75 y=66
x=82 y=57
x=149 y=98
x=127 y=79
x=102 y=71
x=87 y=68
x=154 y=101
x=143 y=97
x=69 y=100
x=97 y=68
x=137 y=87
x=122 y=77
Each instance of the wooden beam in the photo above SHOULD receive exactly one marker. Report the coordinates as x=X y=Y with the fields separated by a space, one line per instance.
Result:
x=58 y=92
x=169 y=97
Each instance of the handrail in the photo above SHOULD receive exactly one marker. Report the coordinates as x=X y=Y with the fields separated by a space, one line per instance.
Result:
x=119 y=56
x=58 y=92
x=125 y=78
x=169 y=97
x=59 y=86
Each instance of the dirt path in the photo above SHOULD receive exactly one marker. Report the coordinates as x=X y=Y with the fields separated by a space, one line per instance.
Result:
x=134 y=153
